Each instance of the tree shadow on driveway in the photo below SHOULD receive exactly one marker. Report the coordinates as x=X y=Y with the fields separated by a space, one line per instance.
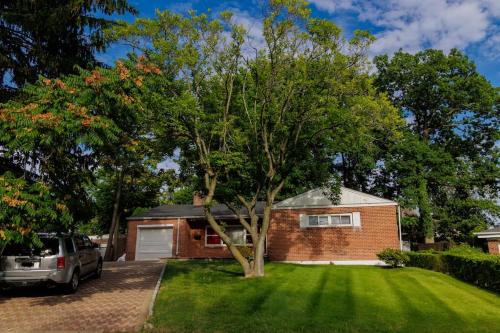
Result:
x=116 y=277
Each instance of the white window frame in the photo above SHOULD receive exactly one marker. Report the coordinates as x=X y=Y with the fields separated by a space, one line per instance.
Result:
x=221 y=241
x=330 y=224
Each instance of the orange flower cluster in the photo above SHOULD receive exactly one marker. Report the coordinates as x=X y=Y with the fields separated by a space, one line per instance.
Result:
x=44 y=117
x=148 y=68
x=6 y=114
x=122 y=70
x=138 y=80
x=94 y=78
x=127 y=99
x=13 y=202
x=58 y=83
x=87 y=121
x=61 y=207
x=81 y=111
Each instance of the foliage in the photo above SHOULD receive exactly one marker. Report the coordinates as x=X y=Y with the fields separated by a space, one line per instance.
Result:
x=27 y=207
x=66 y=127
x=394 y=258
x=466 y=263
x=141 y=188
x=50 y=38
x=447 y=166
x=319 y=298
x=427 y=260
x=254 y=125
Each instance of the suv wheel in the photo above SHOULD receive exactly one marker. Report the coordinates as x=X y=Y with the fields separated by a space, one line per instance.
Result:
x=98 y=270
x=72 y=286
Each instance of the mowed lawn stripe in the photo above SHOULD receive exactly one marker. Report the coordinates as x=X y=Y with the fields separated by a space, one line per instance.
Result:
x=200 y=296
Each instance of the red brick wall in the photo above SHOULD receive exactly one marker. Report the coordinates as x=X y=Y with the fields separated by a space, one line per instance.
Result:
x=132 y=234
x=287 y=241
x=192 y=247
x=189 y=247
x=493 y=246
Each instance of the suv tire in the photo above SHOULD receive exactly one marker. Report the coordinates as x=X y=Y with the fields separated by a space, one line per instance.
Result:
x=98 y=270
x=72 y=286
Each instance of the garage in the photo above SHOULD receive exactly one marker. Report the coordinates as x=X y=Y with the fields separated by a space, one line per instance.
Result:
x=154 y=242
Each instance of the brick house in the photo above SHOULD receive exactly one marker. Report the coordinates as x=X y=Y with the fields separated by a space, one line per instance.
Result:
x=305 y=228
x=492 y=237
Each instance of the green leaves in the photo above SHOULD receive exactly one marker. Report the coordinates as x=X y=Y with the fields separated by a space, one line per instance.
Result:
x=26 y=207
x=447 y=167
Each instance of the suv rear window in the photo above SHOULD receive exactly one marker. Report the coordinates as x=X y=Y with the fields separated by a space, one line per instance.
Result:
x=50 y=246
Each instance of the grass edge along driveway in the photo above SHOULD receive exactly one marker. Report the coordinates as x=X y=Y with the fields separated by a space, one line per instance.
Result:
x=201 y=296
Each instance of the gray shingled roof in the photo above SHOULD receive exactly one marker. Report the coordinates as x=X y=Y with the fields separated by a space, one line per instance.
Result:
x=219 y=211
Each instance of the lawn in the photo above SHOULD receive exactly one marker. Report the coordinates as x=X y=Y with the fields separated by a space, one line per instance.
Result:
x=198 y=296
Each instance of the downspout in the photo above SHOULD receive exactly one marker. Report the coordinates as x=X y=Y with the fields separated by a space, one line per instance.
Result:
x=399 y=229
x=177 y=242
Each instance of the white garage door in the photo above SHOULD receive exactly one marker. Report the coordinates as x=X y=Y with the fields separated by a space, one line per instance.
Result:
x=154 y=243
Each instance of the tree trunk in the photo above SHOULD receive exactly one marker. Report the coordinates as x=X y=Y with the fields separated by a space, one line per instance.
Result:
x=258 y=264
x=425 y=213
x=110 y=251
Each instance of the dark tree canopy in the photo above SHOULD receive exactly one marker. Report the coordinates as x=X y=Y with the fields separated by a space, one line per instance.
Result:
x=447 y=166
x=50 y=37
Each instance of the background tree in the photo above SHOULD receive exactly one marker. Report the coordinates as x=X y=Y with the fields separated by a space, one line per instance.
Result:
x=50 y=37
x=253 y=126
x=447 y=167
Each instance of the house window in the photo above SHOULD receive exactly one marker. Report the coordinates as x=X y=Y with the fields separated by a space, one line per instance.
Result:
x=341 y=220
x=330 y=220
x=211 y=238
x=236 y=233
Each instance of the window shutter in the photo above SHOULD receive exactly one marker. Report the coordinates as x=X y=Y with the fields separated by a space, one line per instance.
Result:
x=356 y=219
x=303 y=220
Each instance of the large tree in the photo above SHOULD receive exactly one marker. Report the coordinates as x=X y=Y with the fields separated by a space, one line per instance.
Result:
x=447 y=166
x=254 y=123
x=50 y=37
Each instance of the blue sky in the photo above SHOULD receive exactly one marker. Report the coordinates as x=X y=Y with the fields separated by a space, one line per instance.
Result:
x=472 y=26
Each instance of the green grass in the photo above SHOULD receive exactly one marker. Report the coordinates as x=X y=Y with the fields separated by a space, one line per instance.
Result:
x=198 y=296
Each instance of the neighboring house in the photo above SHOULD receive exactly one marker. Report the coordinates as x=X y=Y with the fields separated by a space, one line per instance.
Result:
x=304 y=228
x=492 y=237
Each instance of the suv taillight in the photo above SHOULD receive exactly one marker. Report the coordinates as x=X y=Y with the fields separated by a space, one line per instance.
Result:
x=61 y=263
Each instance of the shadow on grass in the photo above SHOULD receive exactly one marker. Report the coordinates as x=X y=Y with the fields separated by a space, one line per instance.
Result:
x=316 y=296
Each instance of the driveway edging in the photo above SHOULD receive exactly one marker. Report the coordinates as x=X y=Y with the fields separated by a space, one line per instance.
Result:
x=155 y=292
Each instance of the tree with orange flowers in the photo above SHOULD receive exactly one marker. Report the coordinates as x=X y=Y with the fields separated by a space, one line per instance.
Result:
x=52 y=142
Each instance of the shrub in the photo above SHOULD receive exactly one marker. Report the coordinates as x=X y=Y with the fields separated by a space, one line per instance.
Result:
x=480 y=269
x=427 y=260
x=393 y=258
x=463 y=262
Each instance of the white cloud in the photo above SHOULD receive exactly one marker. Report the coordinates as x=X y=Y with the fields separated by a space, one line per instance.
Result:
x=254 y=28
x=417 y=24
x=331 y=6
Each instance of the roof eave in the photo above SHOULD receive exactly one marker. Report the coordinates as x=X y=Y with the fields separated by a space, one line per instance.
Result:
x=134 y=218
x=339 y=206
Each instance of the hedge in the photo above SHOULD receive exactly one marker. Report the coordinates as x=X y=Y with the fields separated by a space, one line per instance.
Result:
x=468 y=265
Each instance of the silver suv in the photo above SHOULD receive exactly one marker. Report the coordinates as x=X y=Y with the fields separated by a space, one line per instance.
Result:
x=62 y=260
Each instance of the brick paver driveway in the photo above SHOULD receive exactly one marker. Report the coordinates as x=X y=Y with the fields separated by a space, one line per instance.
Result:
x=118 y=301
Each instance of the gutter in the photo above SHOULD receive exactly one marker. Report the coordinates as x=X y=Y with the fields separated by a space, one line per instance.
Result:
x=399 y=229
x=177 y=242
x=137 y=218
